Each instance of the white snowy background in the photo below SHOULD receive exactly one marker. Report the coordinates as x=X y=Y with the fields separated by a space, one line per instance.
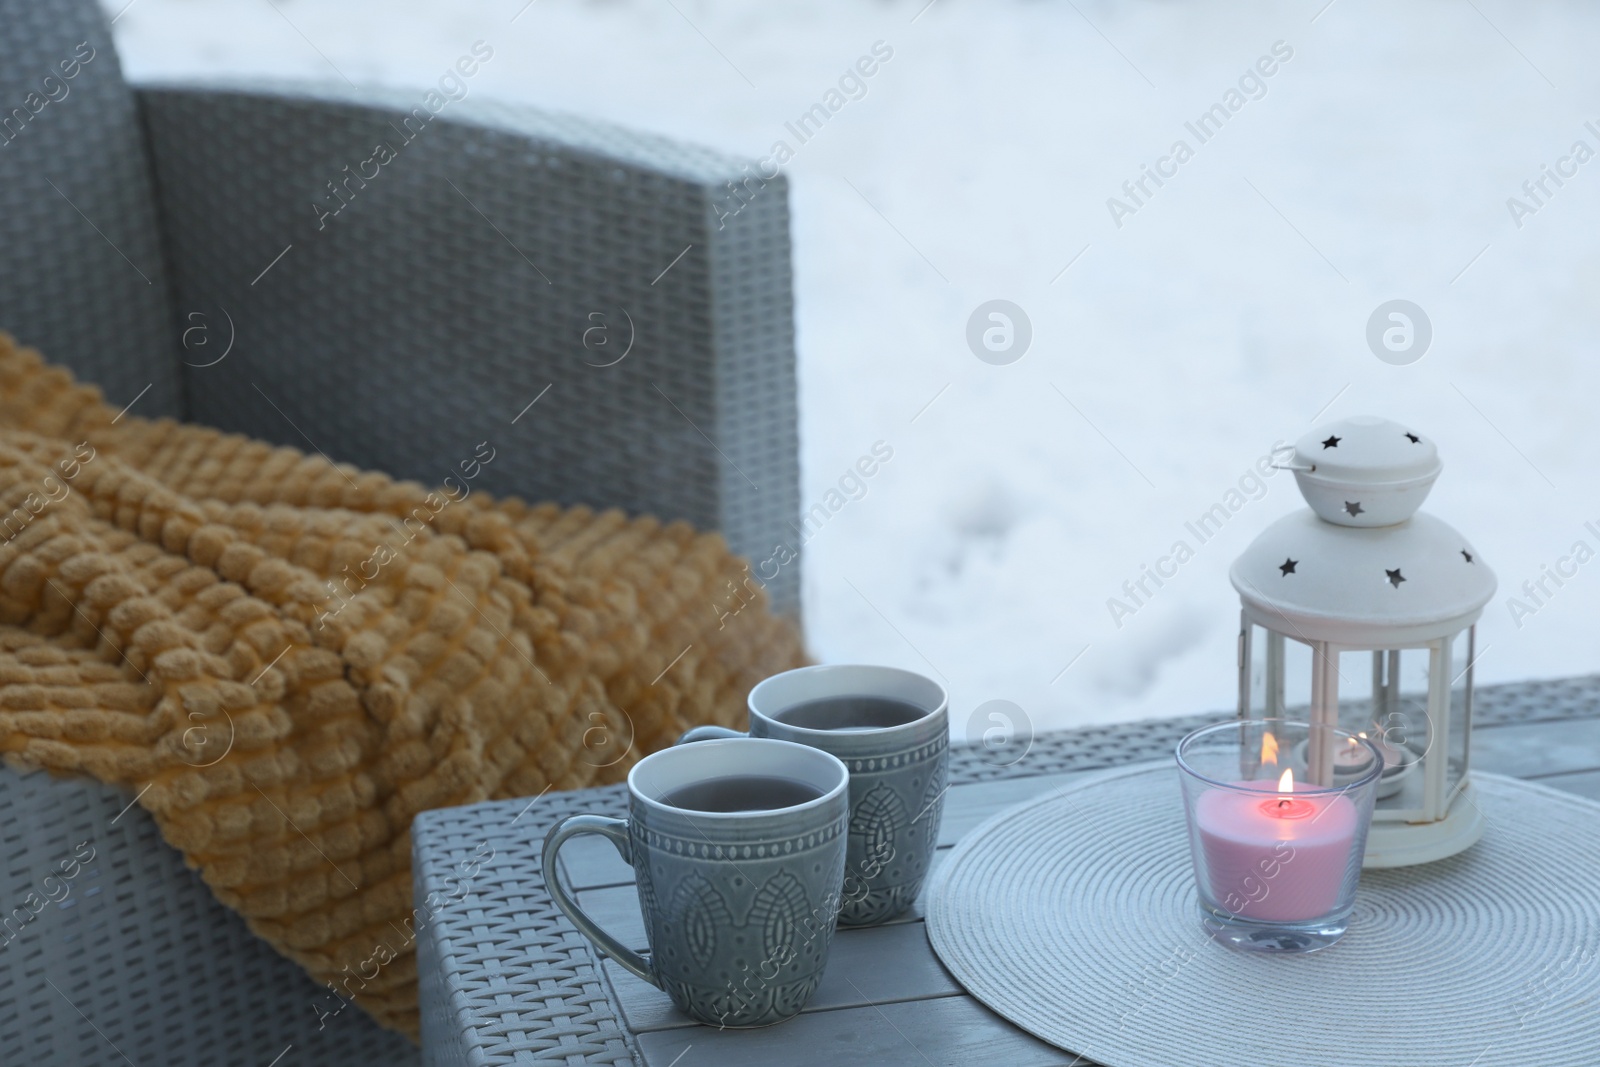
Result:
x=1229 y=311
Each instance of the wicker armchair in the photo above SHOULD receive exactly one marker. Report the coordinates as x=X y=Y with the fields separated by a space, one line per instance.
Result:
x=387 y=279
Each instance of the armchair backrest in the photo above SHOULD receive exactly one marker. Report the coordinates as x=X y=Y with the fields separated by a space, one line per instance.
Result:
x=410 y=281
x=417 y=281
x=82 y=275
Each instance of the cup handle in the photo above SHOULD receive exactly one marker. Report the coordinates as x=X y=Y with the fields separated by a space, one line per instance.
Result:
x=617 y=831
x=708 y=733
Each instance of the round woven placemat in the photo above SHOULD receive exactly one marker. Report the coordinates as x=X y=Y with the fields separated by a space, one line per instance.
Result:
x=1073 y=916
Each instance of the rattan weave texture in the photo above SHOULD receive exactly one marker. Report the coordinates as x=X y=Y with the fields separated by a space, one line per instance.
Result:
x=484 y=263
x=1091 y=747
x=505 y=978
x=82 y=273
x=499 y=252
x=112 y=949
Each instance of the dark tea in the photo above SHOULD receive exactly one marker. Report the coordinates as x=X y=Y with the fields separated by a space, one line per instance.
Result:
x=741 y=792
x=850 y=713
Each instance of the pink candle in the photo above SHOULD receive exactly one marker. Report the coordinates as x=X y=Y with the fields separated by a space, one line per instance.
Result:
x=1274 y=855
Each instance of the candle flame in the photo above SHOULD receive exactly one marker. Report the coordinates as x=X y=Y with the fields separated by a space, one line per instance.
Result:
x=1286 y=781
x=1269 y=748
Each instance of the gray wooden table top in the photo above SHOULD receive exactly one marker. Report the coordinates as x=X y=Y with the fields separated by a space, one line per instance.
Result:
x=505 y=980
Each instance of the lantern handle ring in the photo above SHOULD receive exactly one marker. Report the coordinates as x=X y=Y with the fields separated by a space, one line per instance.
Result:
x=1276 y=465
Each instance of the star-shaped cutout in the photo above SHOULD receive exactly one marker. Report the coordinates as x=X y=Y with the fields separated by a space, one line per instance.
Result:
x=1466 y=555
x=1413 y=438
x=1353 y=507
x=1287 y=566
x=1395 y=577
x=1331 y=442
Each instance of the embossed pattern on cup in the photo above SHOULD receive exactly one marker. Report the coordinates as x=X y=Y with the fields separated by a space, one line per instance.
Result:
x=739 y=907
x=753 y=903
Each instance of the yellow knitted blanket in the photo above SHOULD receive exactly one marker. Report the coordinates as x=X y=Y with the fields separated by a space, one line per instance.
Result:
x=287 y=660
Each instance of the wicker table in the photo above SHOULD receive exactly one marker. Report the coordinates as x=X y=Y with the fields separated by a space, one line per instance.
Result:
x=506 y=980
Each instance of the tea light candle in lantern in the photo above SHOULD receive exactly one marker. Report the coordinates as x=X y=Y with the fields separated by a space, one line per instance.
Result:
x=1391 y=755
x=1350 y=761
x=1399 y=765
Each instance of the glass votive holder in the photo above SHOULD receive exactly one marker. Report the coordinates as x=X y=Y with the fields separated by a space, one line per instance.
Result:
x=1276 y=856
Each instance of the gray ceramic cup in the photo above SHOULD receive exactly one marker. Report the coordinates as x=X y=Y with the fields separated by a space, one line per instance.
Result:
x=739 y=907
x=898 y=774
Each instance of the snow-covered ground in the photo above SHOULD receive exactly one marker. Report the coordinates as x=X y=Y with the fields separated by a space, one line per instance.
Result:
x=1227 y=309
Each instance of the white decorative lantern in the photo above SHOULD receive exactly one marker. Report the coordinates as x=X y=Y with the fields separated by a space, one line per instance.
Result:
x=1360 y=614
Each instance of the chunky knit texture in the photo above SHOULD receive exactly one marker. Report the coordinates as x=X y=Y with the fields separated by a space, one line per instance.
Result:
x=287 y=659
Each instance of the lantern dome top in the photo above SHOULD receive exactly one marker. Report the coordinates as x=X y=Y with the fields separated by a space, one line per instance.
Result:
x=1363 y=567
x=1394 y=585
x=1365 y=471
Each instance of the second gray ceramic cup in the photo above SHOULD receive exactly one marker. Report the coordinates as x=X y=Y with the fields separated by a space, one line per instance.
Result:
x=898 y=775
